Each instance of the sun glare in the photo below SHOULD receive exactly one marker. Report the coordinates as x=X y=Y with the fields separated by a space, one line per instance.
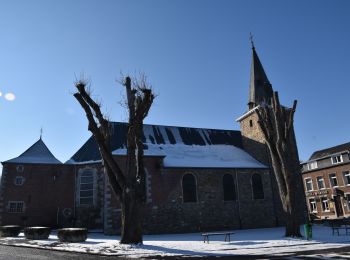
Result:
x=10 y=96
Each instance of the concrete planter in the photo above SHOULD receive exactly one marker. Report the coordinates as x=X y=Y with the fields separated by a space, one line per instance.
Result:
x=37 y=232
x=9 y=231
x=72 y=234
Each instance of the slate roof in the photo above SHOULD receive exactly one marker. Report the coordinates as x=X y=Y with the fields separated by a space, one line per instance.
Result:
x=38 y=153
x=200 y=156
x=329 y=151
x=159 y=134
x=260 y=89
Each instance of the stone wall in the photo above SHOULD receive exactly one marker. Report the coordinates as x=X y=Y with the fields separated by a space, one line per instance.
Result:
x=166 y=212
x=253 y=138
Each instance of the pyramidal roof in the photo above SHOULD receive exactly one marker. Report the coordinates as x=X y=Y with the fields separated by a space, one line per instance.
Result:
x=38 y=153
x=260 y=89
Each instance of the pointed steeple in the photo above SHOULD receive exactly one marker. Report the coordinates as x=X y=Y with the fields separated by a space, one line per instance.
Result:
x=260 y=88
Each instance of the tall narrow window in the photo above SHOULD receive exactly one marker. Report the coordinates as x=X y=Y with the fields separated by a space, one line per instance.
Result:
x=229 y=187
x=333 y=180
x=320 y=182
x=348 y=200
x=325 y=205
x=257 y=185
x=346 y=176
x=308 y=183
x=189 y=188
x=313 y=207
x=86 y=193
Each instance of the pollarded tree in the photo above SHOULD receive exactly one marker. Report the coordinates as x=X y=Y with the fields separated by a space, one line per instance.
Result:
x=128 y=185
x=276 y=123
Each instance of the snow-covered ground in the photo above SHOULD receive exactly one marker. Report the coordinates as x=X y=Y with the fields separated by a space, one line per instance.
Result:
x=243 y=242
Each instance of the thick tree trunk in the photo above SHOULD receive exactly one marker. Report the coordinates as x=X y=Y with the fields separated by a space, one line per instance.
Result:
x=276 y=123
x=292 y=217
x=132 y=215
x=129 y=186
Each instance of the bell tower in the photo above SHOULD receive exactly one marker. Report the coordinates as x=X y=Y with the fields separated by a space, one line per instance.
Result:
x=260 y=93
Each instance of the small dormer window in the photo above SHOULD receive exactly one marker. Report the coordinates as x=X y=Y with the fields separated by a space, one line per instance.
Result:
x=312 y=165
x=19 y=180
x=337 y=159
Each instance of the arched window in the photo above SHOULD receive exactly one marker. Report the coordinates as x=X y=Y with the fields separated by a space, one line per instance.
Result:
x=229 y=187
x=189 y=189
x=86 y=191
x=257 y=185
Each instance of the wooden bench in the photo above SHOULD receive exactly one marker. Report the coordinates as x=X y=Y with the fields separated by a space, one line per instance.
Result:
x=226 y=234
x=338 y=225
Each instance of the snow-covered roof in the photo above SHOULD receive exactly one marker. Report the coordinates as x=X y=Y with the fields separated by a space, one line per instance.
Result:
x=199 y=156
x=181 y=147
x=162 y=135
x=38 y=153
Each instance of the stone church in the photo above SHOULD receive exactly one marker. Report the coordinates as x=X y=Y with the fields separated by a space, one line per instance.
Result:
x=196 y=179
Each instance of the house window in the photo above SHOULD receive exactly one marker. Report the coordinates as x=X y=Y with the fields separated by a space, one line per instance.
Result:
x=86 y=192
x=229 y=187
x=333 y=180
x=325 y=205
x=19 y=168
x=189 y=189
x=313 y=207
x=346 y=176
x=312 y=165
x=348 y=199
x=308 y=183
x=19 y=180
x=320 y=183
x=337 y=159
x=257 y=186
x=15 y=207
x=251 y=123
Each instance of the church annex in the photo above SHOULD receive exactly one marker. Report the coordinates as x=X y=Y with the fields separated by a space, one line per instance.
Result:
x=197 y=179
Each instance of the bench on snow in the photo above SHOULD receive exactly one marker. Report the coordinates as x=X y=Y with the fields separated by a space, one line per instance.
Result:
x=226 y=234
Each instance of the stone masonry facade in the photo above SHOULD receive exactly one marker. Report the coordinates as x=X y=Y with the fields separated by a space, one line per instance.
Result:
x=167 y=213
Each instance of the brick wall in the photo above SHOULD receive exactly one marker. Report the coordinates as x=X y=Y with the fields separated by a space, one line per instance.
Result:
x=330 y=192
x=46 y=191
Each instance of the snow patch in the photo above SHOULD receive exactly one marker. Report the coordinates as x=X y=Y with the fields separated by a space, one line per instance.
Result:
x=268 y=241
x=200 y=156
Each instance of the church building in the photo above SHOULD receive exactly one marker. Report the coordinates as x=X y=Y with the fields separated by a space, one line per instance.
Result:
x=196 y=179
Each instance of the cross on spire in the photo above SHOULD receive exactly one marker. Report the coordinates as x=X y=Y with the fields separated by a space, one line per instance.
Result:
x=41 y=132
x=251 y=40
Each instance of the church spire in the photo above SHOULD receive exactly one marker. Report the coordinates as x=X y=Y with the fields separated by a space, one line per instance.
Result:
x=260 y=88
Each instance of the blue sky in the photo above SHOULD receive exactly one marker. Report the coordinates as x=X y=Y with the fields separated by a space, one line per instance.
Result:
x=196 y=55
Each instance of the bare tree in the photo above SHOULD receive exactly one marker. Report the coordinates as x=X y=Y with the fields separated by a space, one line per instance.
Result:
x=276 y=123
x=129 y=186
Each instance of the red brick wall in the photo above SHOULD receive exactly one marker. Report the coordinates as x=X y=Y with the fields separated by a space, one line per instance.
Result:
x=46 y=191
x=330 y=192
